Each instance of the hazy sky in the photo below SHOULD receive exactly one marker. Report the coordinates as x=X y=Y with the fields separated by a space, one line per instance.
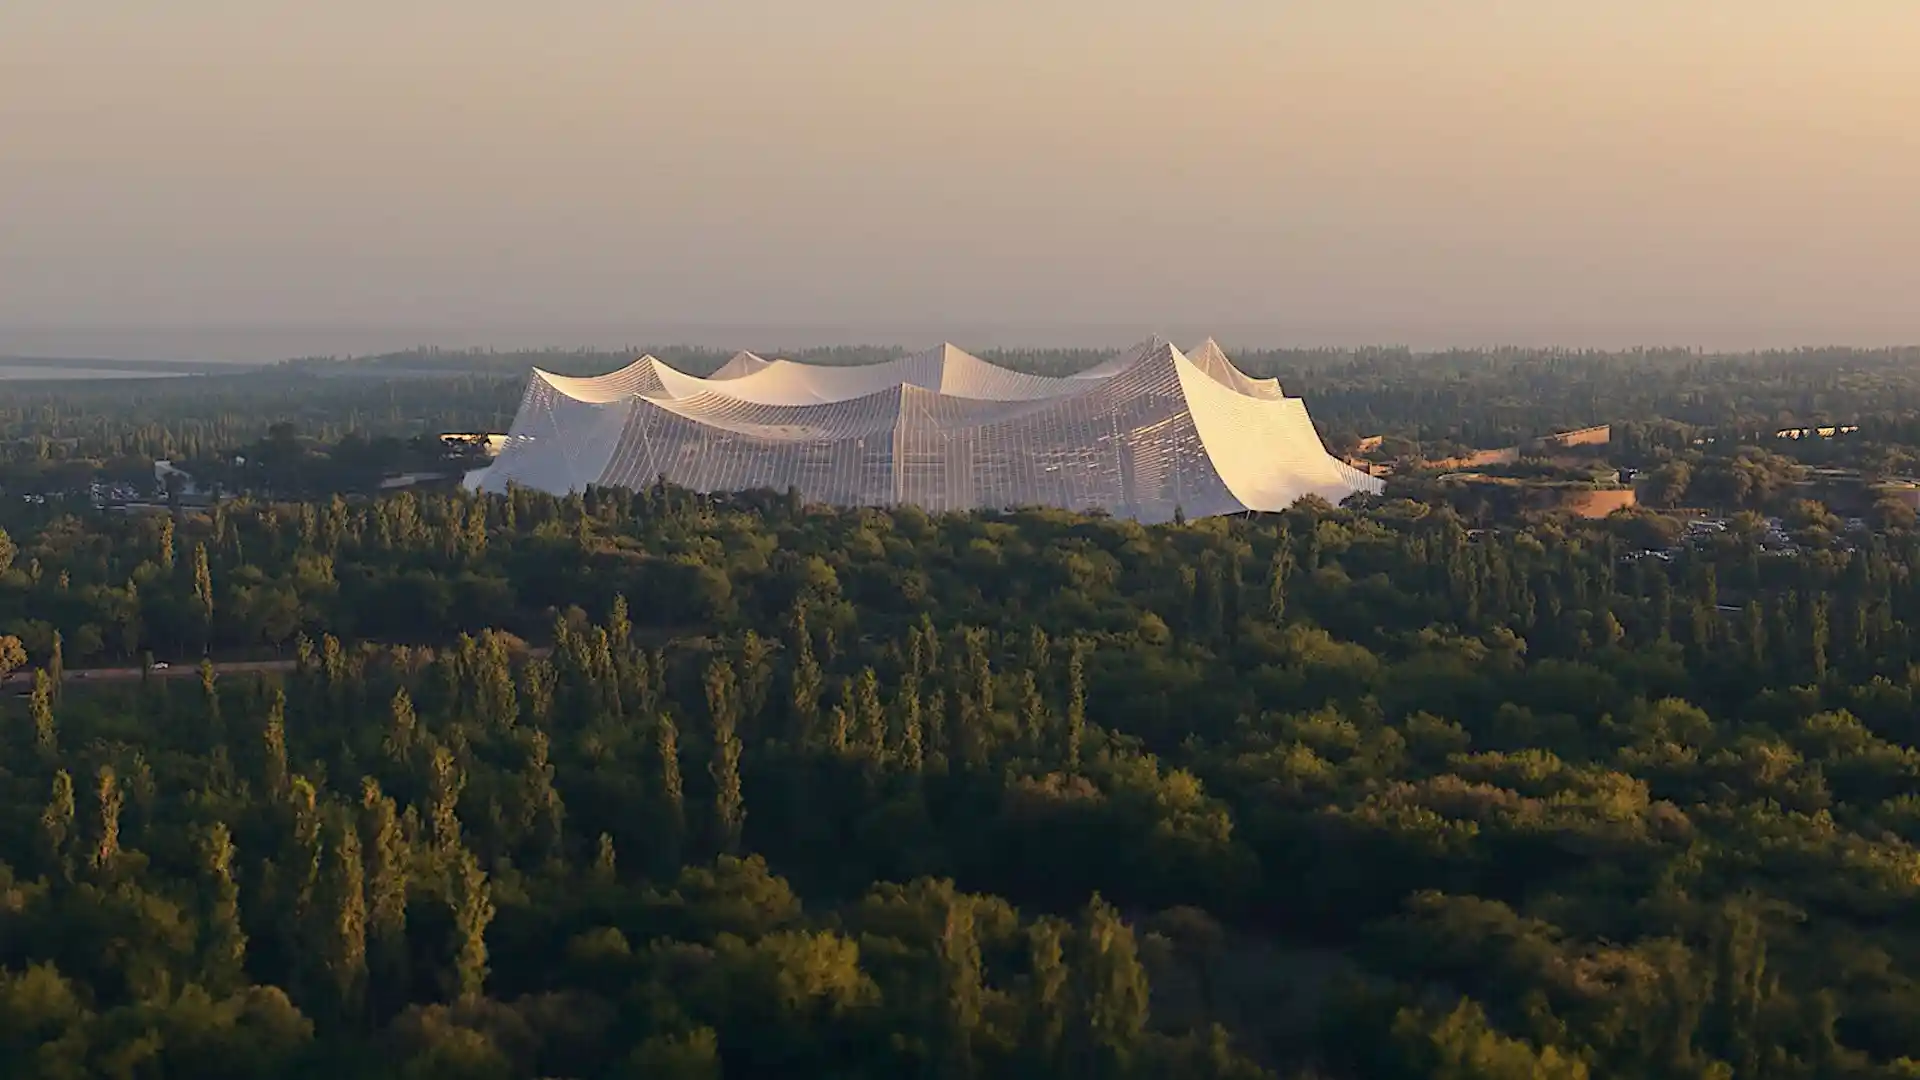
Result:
x=1632 y=169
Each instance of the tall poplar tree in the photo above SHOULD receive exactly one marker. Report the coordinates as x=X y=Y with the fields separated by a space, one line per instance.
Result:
x=166 y=544
x=805 y=680
x=913 y=751
x=1109 y=993
x=1819 y=635
x=106 y=849
x=1279 y=572
x=445 y=782
x=273 y=748
x=962 y=992
x=346 y=954
x=46 y=731
x=203 y=591
x=492 y=676
x=1033 y=712
x=542 y=813
x=472 y=913
x=756 y=678
x=839 y=728
x=1076 y=705
x=387 y=869
x=1045 y=1004
x=729 y=807
x=869 y=717
x=57 y=825
x=619 y=629
x=1039 y=651
x=536 y=690
x=673 y=806
x=301 y=864
x=210 y=701
x=979 y=670
x=402 y=725
x=223 y=943
x=57 y=665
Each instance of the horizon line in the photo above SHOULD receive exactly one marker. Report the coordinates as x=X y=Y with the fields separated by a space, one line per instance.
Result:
x=267 y=343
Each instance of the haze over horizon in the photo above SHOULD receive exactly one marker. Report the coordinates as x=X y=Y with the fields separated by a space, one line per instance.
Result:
x=266 y=180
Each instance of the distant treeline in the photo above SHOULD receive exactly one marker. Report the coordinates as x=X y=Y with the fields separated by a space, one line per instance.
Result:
x=1261 y=362
x=1659 y=402
x=1460 y=397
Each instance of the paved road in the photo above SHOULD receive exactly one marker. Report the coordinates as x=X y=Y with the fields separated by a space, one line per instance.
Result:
x=183 y=670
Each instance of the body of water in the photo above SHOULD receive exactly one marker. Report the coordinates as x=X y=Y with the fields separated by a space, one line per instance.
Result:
x=66 y=374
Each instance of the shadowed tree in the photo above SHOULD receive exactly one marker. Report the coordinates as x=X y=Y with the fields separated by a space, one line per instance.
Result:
x=57 y=826
x=672 y=799
x=57 y=665
x=869 y=735
x=165 y=545
x=388 y=860
x=299 y=868
x=273 y=755
x=1076 y=706
x=346 y=954
x=445 y=782
x=912 y=754
x=46 y=731
x=223 y=944
x=729 y=807
x=1044 y=1003
x=203 y=593
x=106 y=849
x=402 y=728
x=962 y=991
x=472 y=913
x=1109 y=993
x=542 y=813
x=605 y=861
x=1279 y=572
x=1033 y=713
x=805 y=680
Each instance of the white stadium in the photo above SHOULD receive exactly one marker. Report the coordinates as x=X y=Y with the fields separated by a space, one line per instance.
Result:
x=1146 y=434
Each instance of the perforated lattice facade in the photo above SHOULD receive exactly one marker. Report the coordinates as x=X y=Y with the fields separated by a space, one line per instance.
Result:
x=1149 y=432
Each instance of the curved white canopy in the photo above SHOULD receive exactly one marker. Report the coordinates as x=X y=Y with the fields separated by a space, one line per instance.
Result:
x=1145 y=434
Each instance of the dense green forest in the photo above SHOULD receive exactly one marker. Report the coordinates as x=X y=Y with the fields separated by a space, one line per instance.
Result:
x=865 y=793
x=660 y=784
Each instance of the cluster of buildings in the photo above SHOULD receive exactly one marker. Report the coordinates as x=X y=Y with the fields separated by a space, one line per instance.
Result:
x=1578 y=485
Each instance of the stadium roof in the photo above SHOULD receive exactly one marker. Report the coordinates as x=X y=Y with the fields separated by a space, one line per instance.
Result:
x=1144 y=434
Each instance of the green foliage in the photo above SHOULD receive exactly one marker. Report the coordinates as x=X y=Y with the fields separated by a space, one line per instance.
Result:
x=1101 y=802
x=473 y=910
x=1461 y=1046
